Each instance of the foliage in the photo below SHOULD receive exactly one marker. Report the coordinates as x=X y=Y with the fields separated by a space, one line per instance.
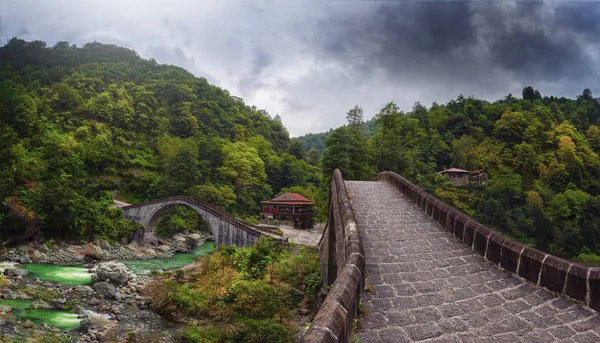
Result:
x=244 y=295
x=178 y=219
x=540 y=153
x=79 y=123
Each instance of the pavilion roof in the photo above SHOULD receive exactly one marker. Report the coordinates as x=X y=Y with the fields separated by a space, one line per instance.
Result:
x=289 y=198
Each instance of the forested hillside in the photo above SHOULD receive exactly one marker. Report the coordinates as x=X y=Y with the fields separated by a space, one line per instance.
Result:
x=316 y=141
x=77 y=123
x=540 y=152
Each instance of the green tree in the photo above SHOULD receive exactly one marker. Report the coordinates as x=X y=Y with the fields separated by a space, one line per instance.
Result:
x=296 y=148
x=245 y=172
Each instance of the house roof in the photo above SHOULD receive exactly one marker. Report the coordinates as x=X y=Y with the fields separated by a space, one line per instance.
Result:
x=452 y=170
x=289 y=198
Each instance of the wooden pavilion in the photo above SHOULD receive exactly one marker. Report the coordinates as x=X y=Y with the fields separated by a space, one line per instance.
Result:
x=291 y=207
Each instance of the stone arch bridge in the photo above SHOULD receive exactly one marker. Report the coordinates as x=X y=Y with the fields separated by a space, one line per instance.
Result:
x=226 y=229
x=427 y=272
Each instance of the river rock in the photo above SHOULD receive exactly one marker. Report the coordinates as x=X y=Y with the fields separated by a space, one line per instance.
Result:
x=83 y=289
x=15 y=272
x=102 y=243
x=195 y=236
x=5 y=309
x=7 y=293
x=179 y=237
x=164 y=248
x=36 y=255
x=107 y=290
x=28 y=324
x=94 y=302
x=94 y=323
x=23 y=259
x=93 y=251
x=134 y=245
x=60 y=304
x=40 y=304
x=113 y=272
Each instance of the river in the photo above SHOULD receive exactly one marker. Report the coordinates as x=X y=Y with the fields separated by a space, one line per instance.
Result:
x=70 y=276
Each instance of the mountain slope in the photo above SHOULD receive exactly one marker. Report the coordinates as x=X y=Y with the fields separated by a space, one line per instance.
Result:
x=78 y=122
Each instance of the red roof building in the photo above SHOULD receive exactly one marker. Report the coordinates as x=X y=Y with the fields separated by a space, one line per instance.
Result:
x=291 y=207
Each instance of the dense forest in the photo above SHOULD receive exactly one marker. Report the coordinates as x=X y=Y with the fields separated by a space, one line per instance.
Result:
x=540 y=152
x=79 y=124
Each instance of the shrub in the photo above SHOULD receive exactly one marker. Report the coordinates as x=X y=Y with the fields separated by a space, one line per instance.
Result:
x=261 y=331
x=254 y=298
x=300 y=271
x=252 y=261
x=200 y=334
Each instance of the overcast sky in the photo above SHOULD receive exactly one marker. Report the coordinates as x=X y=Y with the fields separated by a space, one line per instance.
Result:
x=311 y=61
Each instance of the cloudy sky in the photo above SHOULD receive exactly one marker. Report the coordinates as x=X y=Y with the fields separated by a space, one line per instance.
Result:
x=311 y=61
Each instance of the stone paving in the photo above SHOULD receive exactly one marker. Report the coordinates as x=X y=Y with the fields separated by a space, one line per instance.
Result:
x=427 y=286
x=310 y=237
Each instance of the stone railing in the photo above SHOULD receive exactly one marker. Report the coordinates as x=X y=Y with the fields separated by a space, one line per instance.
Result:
x=342 y=264
x=561 y=276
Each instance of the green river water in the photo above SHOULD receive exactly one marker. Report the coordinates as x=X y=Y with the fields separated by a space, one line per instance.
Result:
x=61 y=319
x=74 y=275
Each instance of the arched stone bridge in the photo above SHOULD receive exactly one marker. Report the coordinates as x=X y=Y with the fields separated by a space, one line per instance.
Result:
x=424 y=271
x=226 y=229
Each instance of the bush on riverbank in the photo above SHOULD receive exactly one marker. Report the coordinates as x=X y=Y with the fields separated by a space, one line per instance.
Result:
x=241 y=295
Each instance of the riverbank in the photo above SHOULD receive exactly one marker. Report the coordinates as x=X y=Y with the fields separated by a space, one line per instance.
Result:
x=97 y=297
x=62 y=252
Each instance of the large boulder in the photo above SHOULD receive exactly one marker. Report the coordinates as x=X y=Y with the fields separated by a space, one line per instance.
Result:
x=113 y=272
x=144 y=238
x=35 y=255
x=15 y=272
x=106 y=290
x=102 y=243
x=93 y=251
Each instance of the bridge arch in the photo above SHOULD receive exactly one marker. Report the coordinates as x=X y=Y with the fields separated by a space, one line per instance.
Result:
x=226 y=229
x=158 y=212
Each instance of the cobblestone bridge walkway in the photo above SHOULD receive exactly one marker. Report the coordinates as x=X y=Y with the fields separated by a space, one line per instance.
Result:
x=427 y=286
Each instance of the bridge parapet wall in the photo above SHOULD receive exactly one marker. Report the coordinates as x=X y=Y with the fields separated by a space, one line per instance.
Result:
x=561 y=276
x=342 y=264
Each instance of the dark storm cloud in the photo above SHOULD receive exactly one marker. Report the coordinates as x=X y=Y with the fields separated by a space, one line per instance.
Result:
x=582 y=17
x=407 y=38
x=537 y=56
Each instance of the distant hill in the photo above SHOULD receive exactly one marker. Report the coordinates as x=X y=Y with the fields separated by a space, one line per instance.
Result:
x=317 y=140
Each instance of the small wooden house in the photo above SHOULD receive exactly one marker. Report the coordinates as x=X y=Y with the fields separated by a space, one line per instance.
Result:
x=290 y=207
x=479 y=176
x=458 y=177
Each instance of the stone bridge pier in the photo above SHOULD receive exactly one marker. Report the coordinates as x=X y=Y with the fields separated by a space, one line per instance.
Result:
x=225 y=229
